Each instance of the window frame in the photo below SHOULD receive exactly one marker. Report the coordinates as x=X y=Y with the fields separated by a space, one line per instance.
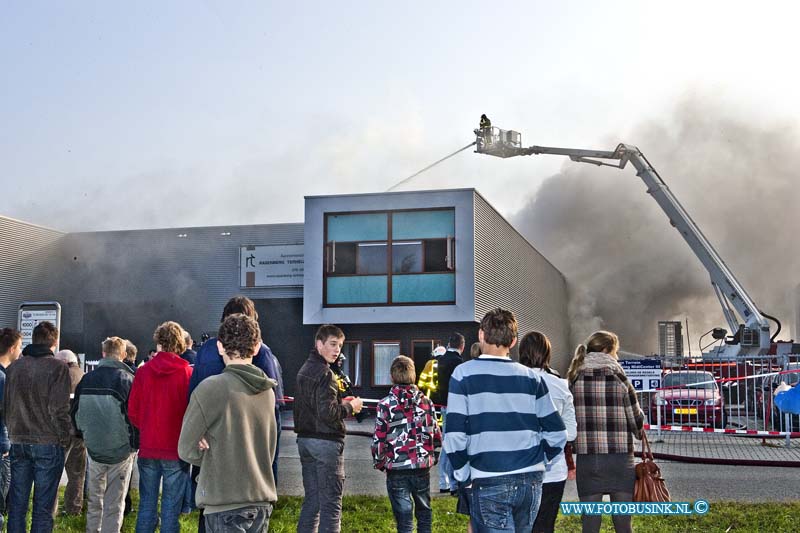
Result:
x=359 y=351
x=433 y=343
x=329 y=253
x=372 y=360
x=422 y=256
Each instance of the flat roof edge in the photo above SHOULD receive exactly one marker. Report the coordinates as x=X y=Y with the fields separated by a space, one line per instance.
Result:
x=360 y=194
x=188 y=228
x=12 y=219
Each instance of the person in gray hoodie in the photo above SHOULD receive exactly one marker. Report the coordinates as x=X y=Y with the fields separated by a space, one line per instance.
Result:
x=229 y=431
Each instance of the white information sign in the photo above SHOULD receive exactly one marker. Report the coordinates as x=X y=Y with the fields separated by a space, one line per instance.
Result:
x=271 y=266
x=33 y=313
x=644 y=374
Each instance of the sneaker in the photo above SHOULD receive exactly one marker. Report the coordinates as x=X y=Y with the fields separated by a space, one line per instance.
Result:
x=444 y=491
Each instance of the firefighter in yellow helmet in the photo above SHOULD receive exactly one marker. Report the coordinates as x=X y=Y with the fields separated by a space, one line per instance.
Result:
x=429 y=378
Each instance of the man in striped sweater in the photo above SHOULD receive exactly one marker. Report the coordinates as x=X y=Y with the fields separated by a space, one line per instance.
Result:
x=502 y=430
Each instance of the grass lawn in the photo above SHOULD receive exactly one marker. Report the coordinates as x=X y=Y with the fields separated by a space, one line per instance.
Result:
x=366 y=514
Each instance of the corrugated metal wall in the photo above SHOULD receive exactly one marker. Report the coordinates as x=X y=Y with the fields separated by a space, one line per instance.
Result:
x=24 y=249
x=131 y=280
x=511 y=274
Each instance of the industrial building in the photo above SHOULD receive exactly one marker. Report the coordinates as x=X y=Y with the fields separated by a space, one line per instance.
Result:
x=397 y=271
x=670 y=338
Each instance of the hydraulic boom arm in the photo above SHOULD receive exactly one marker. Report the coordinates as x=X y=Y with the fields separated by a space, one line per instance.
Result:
x=732 y=295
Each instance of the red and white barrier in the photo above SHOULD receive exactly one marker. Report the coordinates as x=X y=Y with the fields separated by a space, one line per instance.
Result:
x=693 y=429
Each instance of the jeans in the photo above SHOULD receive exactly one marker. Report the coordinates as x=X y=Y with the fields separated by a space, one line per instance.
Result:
x=323 y=484
x=548 y=508
x=39 y=465
x=447 y=480
x=172 y=477
x=409 y=494
x=5 y=484
x=505 y=503
x=277 y=446
x=251 y=519
x=189 y=503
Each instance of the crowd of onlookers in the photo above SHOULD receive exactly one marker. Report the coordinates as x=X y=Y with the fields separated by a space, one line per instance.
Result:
x=201 y=430
x=505 y=427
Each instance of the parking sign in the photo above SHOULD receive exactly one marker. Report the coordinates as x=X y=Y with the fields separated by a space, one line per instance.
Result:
x=644 y=374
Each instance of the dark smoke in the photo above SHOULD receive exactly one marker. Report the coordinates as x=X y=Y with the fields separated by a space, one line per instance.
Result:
x=628 y=268
x=107 y=284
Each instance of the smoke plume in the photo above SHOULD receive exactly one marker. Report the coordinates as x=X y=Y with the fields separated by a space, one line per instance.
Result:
x=628 y=268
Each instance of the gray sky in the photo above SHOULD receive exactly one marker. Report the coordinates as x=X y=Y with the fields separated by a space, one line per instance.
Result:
x=152 y=114
x=131 y=115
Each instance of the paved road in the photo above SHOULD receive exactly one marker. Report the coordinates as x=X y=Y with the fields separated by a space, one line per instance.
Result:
x=689 y=482
x=686 y=482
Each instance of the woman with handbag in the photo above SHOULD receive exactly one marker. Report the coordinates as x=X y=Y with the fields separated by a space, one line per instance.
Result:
x=534 y=352
x=608 y=417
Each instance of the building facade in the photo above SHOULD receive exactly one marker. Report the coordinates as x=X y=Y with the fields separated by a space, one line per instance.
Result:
x=670 y=338
x=398 y=272
x=25 y=252
x=402 y=271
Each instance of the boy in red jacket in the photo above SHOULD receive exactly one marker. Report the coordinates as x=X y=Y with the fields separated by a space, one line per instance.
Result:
x=156 y=405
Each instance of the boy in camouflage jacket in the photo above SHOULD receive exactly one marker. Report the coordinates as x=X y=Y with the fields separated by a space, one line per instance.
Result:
x=405 y=445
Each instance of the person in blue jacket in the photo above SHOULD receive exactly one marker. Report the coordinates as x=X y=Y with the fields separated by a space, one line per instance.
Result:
x=209 y=363
x=10 y=350
x=787 y=398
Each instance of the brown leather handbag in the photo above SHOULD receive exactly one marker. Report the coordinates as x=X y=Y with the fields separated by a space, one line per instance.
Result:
x=649 y=486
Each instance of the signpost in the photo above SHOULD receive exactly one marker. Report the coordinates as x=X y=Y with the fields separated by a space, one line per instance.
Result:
x=644 y=374
x=271 y=266
x=32 y=313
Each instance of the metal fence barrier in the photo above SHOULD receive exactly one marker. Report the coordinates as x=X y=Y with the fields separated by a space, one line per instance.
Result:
x=732 y=397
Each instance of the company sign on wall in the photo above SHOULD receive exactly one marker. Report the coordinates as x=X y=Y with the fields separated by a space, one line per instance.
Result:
x=271 y=266
x=33 y=313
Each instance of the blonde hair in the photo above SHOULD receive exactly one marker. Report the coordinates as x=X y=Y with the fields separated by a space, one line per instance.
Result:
x=130 y=350
x=403 y=371
x=114 y=347
x=599 y=341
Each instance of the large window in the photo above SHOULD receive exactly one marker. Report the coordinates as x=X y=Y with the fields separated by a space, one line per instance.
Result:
x=352 y=361
x=390 y=258
x=383 y=353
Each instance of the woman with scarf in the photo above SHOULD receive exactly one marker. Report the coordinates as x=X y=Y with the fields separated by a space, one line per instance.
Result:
x=608 y=416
